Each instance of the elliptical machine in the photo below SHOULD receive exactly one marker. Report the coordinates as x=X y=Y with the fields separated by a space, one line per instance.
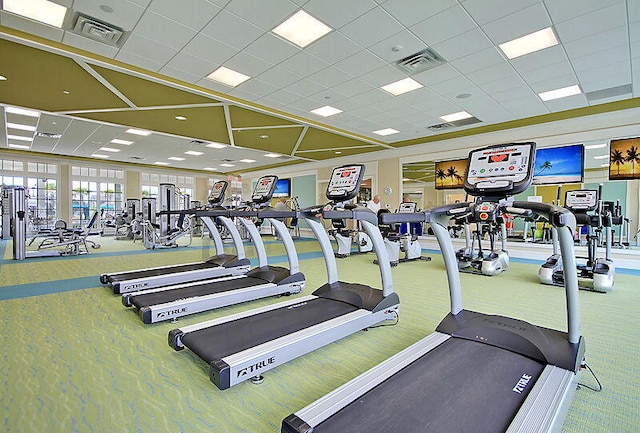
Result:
x=489 y=222
x=596 y=274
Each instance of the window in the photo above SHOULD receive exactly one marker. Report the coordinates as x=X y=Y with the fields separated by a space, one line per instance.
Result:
x=43 y=202
x=84 y=201
x=111 y=199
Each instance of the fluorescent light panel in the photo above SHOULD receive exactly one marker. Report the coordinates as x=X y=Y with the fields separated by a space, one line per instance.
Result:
x=99 y=155
x=326 y=111
x=40 y=10
x=560 y=93
x=110 y=149
x=596 y=146
x=193 y=152
x=530 y=43
x=138 y=132
x=227 y=165
x=19 y=138
x=402 y=86
x=18 y=146
x=161 y=163
x=21 y=111
x=20 y=126
x=217 y=145
x=247 y=160
x=210 y=169
x=175 y=158
x=118 y=141
x=272 y=155
x=456 y=116
x=386 y=131
x=228 y=76
x=302 y=29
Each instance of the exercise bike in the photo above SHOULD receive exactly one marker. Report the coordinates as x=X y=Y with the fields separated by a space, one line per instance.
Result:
x=596 y=274
x=345 y=238
x=402 y=242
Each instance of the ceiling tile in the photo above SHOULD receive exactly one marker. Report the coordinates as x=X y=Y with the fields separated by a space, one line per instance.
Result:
x=248 y=64
x=330 y=76
x=30 y=26
x=485 y=11
x=450 y=88
x=279 y=97
x=257 y=87
x=615 y=74
x=561 y=10
x=125 y=14
x=279 y=77
x=145 y=48
x=512 y=93
x=303 y=64
x=463 y=45
x=139 y=61
x=602 y=58
x=264 y=14
x=179 y=74
x=492 y=73
x=195 y=16
x=346 y=104
x=163 y=31
x=551 y=73
x=353 y=87
x=445 y=25
x=593 y=23
x=439 y=73
x=598 y=42
x=305 y=87
x=517 y=24
x=383 y=76
x=336 y=13
x=360 y=63
x=418 y=96
x=333 y=47
x=527 y=106
x=567 y=103
x=633 y=10
x=375 y=95
x=372 y=27
x=210 y=49
x=553 y=81
x=271 y=48
x=232 y=30
x=87 y=44
x=410 y=12
x=548 y=56
x=479 y=60
x=191 y=64
x=398 y=46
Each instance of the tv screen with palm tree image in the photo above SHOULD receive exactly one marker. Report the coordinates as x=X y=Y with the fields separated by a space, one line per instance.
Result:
x=624 y=159
x=556 y=165
x=450 y=174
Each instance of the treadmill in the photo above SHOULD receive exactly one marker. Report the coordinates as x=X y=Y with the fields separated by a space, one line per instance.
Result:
x=478 y=372
x=245 y=345
x=216 y=266
x=171 y=302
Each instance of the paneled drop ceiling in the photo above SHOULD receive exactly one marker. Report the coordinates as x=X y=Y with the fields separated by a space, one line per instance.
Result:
x=91 y=92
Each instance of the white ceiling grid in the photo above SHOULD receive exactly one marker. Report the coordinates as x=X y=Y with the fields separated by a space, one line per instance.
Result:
x=598 y=50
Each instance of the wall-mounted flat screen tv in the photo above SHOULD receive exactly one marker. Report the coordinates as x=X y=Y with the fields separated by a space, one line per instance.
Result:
x=624 y=159
x=450 y=174
x=283 y=188
x=555 y=165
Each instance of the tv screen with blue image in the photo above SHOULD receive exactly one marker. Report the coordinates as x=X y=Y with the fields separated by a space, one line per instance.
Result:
x=555 y=165
x=283 y=188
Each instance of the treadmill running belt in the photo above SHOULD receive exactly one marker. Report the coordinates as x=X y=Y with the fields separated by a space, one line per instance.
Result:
x=224 y=339
x=461 y=386
x=160 y=271
x=164 y=296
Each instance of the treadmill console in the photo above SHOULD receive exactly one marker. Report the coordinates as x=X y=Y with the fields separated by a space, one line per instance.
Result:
x=585 y=200
x=216 y=196
x=345 y=182
x=501 y=170
x=264 y=189
x=409 y=207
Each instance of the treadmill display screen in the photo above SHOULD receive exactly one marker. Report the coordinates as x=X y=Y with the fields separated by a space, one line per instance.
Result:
x=500 y=168
x=264 y=189
x=217 y=192
x=345 y=182
x=409 y=207
x=585 y=200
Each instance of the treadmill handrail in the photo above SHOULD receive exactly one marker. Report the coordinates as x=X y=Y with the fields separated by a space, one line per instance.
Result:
x=562 y=219
x=258 y=243
x=215 y=235
x=283 y=233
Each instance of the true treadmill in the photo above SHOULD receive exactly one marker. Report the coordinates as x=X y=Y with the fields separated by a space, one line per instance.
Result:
x=171 y=302
x=478 y=372
x=245 y=345
x=216 y=266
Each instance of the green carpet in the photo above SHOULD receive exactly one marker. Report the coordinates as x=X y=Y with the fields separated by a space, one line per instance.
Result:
x=80 y=362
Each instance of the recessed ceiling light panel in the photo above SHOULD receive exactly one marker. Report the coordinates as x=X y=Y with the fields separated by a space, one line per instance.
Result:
x=19 y=137
x=530 y=43
x=18 y=146
x=272 y=155
x=21 y=111
x=560 y=93
x=216 y=145
x=228 y=76
x=175 y=158
x=326 y=111
x=110 y=149
x=227 y=165
x=302 y=29
x=402 y=86
x=20 y=126
x=39 y=10
x=210 y=169
x=138 y=132
x=193 y=152
x=118 y=141
x=456 y=116
x=386 y=131
x=161 y=163
x=247 y=160
x=99 y=155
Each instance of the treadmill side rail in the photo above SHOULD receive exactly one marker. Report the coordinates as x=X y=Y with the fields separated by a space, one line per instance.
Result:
x=336 y=400
x=546 y=406
x=241 y=366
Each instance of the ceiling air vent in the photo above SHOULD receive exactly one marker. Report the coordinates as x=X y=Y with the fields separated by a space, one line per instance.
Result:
x=138 y=158
x=440 y=126
x=457 y=123
x=48 y=135
x=198 y=142
x=420 y=61
x=97 y=30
